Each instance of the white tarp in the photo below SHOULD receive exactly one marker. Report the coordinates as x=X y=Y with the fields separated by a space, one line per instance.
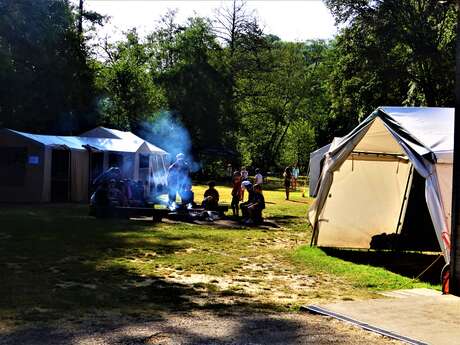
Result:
x=422 y=135
x=314 y=168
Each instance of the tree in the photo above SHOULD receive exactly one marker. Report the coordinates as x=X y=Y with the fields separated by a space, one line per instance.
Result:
x=283 y=99
x=45 y=80
x=392 y=52
x=188 y=65
x=130 y=95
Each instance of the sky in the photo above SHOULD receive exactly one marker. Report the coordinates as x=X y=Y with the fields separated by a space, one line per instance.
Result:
x=290 y=20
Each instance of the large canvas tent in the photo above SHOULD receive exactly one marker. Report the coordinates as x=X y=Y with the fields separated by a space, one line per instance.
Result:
x=44 y=168
x=366 y=177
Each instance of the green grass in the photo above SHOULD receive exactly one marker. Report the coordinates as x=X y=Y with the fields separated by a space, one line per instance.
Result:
x=358 y=275
x=57 y=262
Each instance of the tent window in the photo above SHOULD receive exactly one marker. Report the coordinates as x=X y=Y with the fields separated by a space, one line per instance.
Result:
x=115 y=160
x=13 y=166
x=143 y=161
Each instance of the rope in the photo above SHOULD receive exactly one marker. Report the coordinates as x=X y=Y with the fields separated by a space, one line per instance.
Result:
x=426 y=269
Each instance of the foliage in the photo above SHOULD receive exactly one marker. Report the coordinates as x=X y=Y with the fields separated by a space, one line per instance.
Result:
x=130 y=95
x=186 y=63
x=45 y=79
x=285 y=96
x=245 y=97
x=392 y=52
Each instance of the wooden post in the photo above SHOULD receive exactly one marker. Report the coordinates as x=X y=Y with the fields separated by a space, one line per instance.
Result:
x=454 y=283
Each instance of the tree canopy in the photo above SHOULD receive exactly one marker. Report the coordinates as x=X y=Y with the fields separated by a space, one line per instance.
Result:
x=244 y=95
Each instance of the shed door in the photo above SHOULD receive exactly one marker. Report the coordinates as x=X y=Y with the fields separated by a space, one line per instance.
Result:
x=60 y=176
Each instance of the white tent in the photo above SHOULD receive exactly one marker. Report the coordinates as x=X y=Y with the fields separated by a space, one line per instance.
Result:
x=36 y=168
x=366 y=175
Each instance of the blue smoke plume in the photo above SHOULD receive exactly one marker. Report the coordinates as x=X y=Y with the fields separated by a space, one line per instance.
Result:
x=169 y=134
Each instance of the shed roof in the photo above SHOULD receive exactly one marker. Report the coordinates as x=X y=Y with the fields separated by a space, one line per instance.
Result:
x=127 y=142
x=104 y=132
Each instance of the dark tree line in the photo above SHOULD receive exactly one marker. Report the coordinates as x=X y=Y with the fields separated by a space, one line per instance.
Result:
x=244 y=96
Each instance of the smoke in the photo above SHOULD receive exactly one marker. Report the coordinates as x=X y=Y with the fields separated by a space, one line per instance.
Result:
x=170 y=135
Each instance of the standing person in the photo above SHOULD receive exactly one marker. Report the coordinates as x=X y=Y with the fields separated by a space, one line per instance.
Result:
x=229 y=171
x=295 y=176
x=287 y=180
x=244 y=177
x=178 y=177
x=244 y=174
x=258 y=179
x=236 y=193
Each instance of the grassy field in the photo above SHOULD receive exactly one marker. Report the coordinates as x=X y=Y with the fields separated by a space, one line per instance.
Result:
x=59 y=263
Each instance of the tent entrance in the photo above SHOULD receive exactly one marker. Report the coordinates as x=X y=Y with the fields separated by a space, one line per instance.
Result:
x=417 y=232
x=60 y=175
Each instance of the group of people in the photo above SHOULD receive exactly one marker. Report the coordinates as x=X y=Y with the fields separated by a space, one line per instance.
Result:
x=252 y=208
x=111 y=189
x=179 y=183
x=290 y=176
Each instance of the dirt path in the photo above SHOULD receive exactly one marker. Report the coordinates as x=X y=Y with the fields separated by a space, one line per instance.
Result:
x=266 y=277
x=202 y=328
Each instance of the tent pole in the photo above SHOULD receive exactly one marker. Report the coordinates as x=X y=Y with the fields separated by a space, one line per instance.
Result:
x=402 y=213
x=454 y=281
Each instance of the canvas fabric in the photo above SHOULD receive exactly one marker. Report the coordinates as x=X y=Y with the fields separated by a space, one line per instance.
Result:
x=422 y=135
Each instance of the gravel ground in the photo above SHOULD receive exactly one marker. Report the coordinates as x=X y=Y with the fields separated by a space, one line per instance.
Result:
x=198 y=327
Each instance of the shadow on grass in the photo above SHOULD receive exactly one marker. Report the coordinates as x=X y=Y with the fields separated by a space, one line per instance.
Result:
x=286 y=219
x=408 y=264
x=58 y=262
x=298 y=201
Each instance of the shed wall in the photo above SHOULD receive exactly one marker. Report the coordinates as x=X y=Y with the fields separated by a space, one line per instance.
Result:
x=32 y=188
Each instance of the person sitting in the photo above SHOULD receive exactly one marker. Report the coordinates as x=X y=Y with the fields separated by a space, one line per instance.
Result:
x=211 y=198
x=186 y=194
x=101 y=196
x=256 y=207
x=114 y=194
x=244 y=205
x=137 y=193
